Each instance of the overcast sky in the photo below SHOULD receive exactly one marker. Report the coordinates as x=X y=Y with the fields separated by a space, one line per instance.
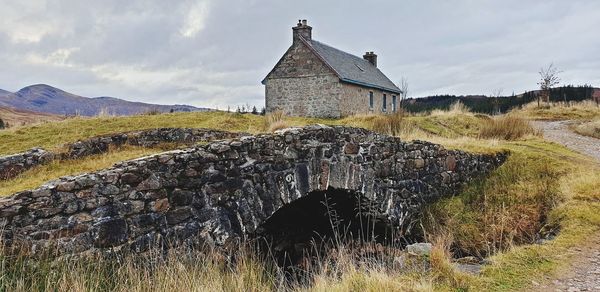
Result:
x=214 y=53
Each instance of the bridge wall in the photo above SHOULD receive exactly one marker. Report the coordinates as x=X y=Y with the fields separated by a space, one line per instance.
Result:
x=223 y=191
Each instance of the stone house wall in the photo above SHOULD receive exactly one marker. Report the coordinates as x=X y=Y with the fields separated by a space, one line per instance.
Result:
x=354 y=99
x=310 y=96
x=302 y=85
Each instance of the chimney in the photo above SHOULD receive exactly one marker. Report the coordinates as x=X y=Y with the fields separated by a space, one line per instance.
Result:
x=302 y=29
x=371 y=57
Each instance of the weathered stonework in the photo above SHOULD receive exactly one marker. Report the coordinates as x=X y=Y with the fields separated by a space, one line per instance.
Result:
x=12 y=165
x=314 y=96
x=146 y=138
x=223 y=191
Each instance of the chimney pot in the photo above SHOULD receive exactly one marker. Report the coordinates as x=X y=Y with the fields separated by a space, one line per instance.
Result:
x=302 y=29
x=371 y=57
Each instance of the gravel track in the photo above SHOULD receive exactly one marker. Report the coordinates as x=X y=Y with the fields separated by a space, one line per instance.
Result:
x=583 y=274
x=559 y=132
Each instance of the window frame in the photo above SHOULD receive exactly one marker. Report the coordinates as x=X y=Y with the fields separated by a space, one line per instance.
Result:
x=384 y=105
x=371 y=100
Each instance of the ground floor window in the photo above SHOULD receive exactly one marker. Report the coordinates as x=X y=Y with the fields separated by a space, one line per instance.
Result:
x=394 y=103
x=370 y=99
x=384 y=108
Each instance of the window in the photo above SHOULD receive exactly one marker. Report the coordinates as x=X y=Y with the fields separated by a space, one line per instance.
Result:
x=393 y=103
x=384 y=103
x=371 y=99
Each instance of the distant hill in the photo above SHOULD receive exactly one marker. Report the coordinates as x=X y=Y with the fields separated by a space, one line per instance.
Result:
x=16 y=117
x=47 y=99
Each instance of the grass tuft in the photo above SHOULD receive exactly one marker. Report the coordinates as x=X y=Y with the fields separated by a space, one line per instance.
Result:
x=457 y=108
x=390 y=124
x=591 y=128
x=275 y=121
x=506 y=127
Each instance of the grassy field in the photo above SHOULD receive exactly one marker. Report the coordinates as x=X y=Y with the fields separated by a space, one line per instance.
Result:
x=52 y=136
x=543 y=186
x=585 y=110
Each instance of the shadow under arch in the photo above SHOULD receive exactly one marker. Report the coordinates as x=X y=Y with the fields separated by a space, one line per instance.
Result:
x=319 y=220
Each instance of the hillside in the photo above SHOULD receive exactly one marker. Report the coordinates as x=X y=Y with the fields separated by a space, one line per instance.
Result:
x=47 y=99
x=16 y=117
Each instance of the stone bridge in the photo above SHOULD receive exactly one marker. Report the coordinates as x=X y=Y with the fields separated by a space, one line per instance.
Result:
x=233 y=190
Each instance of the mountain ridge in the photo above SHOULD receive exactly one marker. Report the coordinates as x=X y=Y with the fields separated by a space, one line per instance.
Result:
x=48 y=99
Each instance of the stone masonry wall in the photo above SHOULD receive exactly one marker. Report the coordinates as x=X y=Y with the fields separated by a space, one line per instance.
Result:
x=222 y=192
x=13 y=165
x=354 y=99
x=146 y=138
x=316 y=96
x=302 y=85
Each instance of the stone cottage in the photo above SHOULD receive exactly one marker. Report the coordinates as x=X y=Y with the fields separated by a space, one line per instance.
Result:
x=316 y=80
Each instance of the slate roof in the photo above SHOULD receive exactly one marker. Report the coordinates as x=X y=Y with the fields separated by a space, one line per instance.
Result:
x=352 y=69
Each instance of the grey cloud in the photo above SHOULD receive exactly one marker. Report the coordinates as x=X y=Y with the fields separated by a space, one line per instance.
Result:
x=143 y=50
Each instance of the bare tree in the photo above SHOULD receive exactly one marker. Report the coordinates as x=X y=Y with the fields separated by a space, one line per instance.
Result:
x=404 y=89
x=549 y=78
x=496 y=94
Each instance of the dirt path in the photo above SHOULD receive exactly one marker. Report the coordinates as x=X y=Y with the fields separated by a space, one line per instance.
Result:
x=583 y=274
x=559 y=132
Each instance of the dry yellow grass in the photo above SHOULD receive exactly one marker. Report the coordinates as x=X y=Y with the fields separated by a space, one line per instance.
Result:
x=393 y=124
x=507 y=127
x=457 y=108
x=584 y=110
x=591 y=128
x=275 y=121
x=52 y=135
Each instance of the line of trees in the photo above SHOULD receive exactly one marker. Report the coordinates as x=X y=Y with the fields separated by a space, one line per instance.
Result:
x=246 y=109
x=496 y=103
x=500 y=104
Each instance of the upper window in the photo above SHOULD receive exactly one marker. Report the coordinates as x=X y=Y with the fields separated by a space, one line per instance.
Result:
x=384 y=108
x=370 y=99
x=394 y=103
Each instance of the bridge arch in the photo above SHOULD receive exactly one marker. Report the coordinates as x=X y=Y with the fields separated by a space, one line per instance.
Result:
x=226 y=191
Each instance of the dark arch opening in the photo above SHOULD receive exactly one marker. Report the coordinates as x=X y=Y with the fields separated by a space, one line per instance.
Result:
x=321 y=220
